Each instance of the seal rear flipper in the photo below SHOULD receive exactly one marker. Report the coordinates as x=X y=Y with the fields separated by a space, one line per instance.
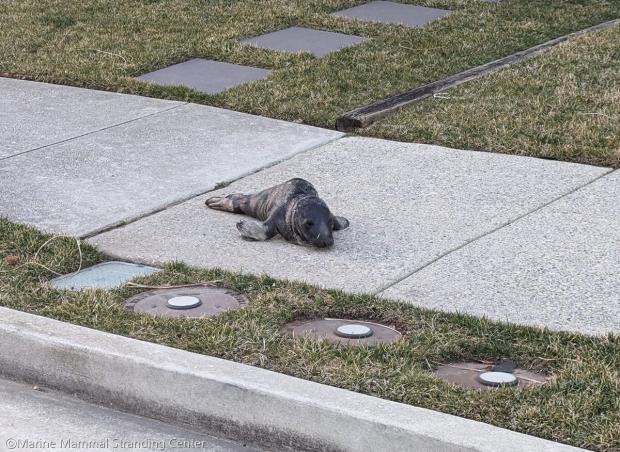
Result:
x=256 y=230
x=228 y=203
x=339 y=223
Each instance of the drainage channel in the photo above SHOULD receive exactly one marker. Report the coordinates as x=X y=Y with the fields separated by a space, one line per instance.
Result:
x=364 y=116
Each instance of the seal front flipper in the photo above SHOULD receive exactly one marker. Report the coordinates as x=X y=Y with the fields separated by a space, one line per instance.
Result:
x=339 y=223
x=256 y=230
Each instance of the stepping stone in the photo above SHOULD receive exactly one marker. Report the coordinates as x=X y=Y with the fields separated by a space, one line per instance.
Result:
x=557 y=267
x=107 y=275
x=298 y=39
x=408 y=207
x=393 y=13
x=103 y=179
x=208 y=76
x=34 y=114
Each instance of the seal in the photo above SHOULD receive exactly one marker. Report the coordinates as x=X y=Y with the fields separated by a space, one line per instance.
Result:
x=292 y=209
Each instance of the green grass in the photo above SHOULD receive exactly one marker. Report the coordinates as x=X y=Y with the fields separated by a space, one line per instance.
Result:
x=105 y=43
x=564 y=104
x=580 y=406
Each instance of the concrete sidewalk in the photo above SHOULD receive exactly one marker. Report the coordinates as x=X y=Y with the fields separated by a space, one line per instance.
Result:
x=412 y=208
x=518 y=239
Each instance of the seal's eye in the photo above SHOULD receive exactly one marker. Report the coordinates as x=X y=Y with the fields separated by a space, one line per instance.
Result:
x=308 y=224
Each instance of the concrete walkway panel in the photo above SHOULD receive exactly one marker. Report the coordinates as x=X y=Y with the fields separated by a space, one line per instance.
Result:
x=39 y=114
x=408 y=204
x=103 y=179
x=558 y=267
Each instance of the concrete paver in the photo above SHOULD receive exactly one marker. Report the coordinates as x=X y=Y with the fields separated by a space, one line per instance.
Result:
x=208 y=76
x=299 y=39
x=105 y=178
x=408 y=204
x=557 y=267
x=35 y=420
x=39 y=114
x=393 y=13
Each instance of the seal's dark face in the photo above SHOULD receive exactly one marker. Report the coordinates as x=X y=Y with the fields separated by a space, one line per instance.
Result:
x=315 y=228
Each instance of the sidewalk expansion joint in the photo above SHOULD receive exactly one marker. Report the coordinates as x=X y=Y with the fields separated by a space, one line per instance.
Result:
x=92 y=132
x=492 y=231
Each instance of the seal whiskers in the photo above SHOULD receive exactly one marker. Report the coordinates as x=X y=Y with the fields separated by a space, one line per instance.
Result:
x=292 y=209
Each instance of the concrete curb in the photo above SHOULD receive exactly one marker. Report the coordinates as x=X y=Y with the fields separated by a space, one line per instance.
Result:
x=218 y=396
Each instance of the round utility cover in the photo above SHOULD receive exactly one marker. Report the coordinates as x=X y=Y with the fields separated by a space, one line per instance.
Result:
x=340 y=331
x=498 y=379
x=467 y=375
x=186 y=302
x=353 y=331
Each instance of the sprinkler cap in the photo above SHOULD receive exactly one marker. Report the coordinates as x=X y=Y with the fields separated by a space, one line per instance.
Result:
x=353 y=331
x=183 y=302
x=498 y=379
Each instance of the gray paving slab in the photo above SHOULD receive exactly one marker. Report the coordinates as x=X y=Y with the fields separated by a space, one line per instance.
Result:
x=557 y=267
x=299 y=39
x=407 y=203
x=36 y=114
x=44 y=420
x=91 y=183
x=107 y=275
x=393 y=13
x=205 y=75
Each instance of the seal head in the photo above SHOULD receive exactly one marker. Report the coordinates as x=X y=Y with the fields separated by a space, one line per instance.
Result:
x=312 y=222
